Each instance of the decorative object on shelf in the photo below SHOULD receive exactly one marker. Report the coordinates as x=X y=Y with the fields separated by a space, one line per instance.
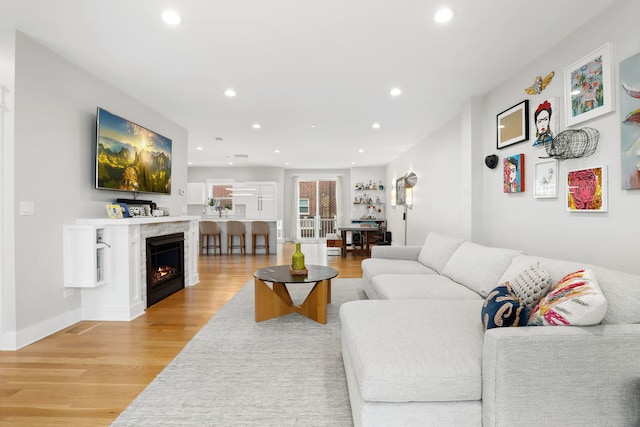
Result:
x=630 y=125
x=371 y=185
x=514 y=174
x=491 y=161
x=297 y=261
x=588 y=86
x=114 y=210
x=587 y=190
x=545 y=179
x=545 y=121
x=539 y=84
x=573 y=144
x=512 y=125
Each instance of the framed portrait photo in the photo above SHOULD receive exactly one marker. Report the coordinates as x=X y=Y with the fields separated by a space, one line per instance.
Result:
x=512 y=125
x=588 y=86
x=545 y=179
x=587 y=190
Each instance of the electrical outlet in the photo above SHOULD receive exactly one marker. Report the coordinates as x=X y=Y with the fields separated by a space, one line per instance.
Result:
x=66 y=293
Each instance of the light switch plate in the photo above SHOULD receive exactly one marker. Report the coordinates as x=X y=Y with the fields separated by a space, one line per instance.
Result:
x=27 y=208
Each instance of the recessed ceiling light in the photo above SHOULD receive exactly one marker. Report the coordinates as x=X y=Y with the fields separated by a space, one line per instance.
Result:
x=312 y=126
x=256 y=125
x=229 y=163
x=286 y=163
x=276 y=151
x=230 y=93
x=396 y=91
x=199 y=148
x=189 y=163
x=361 y=150
x=443 y=15
x=353 y=163
x=171 y=17
x=376 y=125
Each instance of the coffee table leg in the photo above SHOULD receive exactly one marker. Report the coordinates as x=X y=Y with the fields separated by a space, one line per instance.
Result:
x=270 y=303
x=315 y=305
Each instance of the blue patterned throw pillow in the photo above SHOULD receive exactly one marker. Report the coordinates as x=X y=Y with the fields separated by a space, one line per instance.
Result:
x=503 y=308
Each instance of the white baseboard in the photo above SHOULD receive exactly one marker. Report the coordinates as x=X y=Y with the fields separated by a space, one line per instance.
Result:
x=114 y=313
x=15 y=341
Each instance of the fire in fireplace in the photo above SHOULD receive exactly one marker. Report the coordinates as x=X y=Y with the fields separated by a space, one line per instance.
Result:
x=165 y=266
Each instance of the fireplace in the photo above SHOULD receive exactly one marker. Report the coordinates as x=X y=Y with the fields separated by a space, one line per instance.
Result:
x=165 y=266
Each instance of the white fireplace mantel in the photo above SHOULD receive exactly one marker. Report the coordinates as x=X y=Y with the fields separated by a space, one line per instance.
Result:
x=118 y=291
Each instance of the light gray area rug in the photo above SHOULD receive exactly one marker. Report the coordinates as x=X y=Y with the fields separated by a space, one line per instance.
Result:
x=286 y=371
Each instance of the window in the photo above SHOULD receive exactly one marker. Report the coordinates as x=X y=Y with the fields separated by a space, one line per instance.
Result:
x=303 y=206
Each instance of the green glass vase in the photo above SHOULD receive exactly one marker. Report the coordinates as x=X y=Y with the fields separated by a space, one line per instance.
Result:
x=297 y=259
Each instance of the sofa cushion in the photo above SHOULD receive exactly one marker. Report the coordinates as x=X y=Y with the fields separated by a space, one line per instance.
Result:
x=371 y=267
x=437 y=250
x=575 y=300
x=420 y=286
x=502 y=307
x=414 y=350
x=478 y=267
x=531 y=285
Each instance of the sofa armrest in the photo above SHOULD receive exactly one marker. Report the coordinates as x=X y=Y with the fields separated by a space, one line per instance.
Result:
x=396 y=252
x=561 y=375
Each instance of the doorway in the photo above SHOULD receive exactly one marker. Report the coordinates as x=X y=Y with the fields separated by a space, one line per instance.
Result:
x=317 y=209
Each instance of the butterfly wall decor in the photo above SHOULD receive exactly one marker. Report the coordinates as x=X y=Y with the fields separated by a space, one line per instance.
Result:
x=540 y=84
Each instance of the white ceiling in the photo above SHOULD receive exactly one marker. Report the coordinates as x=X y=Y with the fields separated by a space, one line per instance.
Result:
x=294 y=63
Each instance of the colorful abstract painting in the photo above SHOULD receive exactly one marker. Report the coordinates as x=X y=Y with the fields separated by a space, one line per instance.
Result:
x=513 y=174
x=588 y=86
x=587 y=190
x=630 y=122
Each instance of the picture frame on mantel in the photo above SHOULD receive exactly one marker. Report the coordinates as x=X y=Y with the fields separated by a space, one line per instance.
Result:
x=512 y=125
x=588 y=86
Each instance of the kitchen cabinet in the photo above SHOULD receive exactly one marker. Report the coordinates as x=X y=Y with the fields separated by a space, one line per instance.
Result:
x=258 y=199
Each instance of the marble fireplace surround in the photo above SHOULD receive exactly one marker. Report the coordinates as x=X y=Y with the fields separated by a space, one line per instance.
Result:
x=124 y=295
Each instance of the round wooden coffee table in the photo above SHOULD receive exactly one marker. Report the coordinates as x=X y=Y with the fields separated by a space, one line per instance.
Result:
x=274 y=301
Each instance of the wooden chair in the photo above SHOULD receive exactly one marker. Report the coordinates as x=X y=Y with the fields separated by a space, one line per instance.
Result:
x=210 y=229
x=235 y=228
x=260 y=228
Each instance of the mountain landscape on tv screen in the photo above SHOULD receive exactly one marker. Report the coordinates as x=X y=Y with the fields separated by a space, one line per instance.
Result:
x=122 y=167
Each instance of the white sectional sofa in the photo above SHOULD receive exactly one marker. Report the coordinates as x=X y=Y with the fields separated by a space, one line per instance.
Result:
x=416 y=353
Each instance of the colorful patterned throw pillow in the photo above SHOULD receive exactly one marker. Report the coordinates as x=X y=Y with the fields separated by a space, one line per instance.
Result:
x=531 y=285
x=503 y=308
x=574 y=300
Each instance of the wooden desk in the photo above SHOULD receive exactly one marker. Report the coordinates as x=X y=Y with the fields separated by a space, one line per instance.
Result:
x=364 y=230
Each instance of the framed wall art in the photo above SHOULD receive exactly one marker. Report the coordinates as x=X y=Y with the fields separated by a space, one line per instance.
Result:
x=588 y=86
x=630 y=122
x=514 y=174
x=545 y=120
x=545 y=179
x=512 y=125
x=401 y=192
x=587 y=190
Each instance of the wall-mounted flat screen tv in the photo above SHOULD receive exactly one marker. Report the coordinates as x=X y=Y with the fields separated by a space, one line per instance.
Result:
x=131 y=157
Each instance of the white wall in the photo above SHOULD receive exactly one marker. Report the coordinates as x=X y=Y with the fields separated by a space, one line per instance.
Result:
x=542 y=226
x=55 y=109
x=456 y=194
x=7 y=239
x=439 y=202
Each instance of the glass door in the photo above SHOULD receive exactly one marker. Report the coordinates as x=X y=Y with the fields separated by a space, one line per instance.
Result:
x=317 y=210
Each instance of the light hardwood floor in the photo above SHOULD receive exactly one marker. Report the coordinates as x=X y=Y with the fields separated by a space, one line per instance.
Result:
x=88 y=373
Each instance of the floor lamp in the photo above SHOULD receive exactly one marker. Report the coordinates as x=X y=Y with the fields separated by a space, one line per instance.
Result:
x=410 y=180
